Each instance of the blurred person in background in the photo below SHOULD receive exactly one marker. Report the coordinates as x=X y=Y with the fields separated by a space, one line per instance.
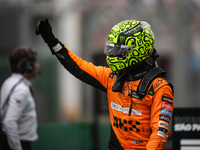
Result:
x=18 y=112
x=140 y=99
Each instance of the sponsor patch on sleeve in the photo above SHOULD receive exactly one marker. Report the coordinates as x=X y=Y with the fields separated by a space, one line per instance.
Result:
x=163 y=130
x=162 y=134
x=165 y=112
x=166 y=105
x=167 y=99
x=163 y=124
x=164 y=118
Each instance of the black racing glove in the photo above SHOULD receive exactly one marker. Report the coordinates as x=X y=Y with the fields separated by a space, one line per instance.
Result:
x=45 y=29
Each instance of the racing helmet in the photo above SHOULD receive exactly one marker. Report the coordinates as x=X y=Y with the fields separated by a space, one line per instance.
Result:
x=129 y=42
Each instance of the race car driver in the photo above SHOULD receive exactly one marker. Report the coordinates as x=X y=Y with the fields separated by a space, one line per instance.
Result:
x=140 y=99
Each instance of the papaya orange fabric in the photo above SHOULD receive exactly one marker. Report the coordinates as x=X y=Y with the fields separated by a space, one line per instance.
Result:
x=148 y=124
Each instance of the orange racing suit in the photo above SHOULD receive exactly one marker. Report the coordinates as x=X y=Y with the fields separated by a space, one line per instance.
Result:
x=146 y=127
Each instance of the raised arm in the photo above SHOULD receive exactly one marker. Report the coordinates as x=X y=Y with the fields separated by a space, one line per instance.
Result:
x=83 y=70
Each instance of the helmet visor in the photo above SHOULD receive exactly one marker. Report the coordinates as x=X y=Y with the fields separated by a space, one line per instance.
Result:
x=112 y=49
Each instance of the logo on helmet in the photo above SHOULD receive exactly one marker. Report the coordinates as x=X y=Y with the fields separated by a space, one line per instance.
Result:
x=134 y=30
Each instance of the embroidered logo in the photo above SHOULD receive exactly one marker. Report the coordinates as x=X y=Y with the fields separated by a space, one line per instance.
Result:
x=167 y=99
x=134 y=94
x=125 y=109
x=163 y=124
x=164 y=118
x=166 y=106
x=165 y=112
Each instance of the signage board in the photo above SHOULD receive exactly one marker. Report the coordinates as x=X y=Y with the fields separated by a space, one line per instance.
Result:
x=186 y=129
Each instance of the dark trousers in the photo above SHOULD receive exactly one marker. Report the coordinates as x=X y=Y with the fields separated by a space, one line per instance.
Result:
x=26 y=145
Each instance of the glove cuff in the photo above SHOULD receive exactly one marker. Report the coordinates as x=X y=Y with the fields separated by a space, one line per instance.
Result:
x=55 y=46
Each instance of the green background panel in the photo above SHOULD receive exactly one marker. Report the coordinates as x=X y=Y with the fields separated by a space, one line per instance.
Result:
x=71 y=136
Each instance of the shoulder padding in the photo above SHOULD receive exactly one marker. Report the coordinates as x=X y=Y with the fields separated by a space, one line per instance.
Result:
x=148 y=78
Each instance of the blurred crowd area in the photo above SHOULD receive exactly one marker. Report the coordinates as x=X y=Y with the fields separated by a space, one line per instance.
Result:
x=176 y=26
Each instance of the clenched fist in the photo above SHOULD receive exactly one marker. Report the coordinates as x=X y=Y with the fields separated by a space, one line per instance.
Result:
x=45 y=29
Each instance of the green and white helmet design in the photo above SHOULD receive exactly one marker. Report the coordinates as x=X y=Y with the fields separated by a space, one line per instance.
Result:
x=129 y=42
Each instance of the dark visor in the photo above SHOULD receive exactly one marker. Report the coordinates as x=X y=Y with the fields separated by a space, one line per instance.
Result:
x=112 y=49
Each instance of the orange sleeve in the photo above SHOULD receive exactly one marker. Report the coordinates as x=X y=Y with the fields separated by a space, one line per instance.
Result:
x=96 y=76
x=98 y=72
x=161 y=112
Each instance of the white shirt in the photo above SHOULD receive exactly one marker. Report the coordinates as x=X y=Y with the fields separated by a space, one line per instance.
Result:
x=20 y=120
